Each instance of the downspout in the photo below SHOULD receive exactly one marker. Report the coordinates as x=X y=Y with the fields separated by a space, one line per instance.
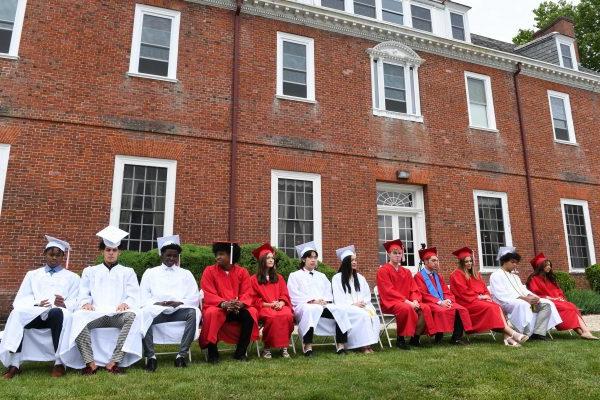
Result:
x=525 y=158
x=235 y=94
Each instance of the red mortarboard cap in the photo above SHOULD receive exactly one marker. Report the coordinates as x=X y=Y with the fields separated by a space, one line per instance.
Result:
x=262 y=250
x=540 y=258
x=462 y=253
x=425 y=254
x=392 y=244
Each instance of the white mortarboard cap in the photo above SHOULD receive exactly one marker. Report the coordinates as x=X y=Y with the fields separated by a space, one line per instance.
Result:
x=345 y=252
x=301 y=249
x=505 y=250
x=166 y=241
x=112 y=236
x=54 y=242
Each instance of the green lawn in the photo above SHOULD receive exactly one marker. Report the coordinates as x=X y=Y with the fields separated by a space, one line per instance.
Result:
x=566 y=368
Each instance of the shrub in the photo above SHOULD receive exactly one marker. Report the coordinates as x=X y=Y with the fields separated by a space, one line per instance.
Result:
x=592 y=274
x=588 y=301
x=197 y=258
x=565 y=281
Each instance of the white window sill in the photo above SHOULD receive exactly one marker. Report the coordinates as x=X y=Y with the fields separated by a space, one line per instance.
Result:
x=397 y=115
x=577 y=271
x=301 y=99
x=481 y=128
x=567 y=143
x=156 y=77
x=8 y=56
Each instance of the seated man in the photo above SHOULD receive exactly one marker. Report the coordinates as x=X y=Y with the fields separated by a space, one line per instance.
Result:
x=227 y=309
x=108 y=296
x=169 y=293
x=527 y=312
x=46 y=298
x=312 y=299
x=448 y=316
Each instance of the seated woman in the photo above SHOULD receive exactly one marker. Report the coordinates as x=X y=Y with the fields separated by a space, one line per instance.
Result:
x=543 y=283
x=471 y=292
x=351 y=290
x=272 y=300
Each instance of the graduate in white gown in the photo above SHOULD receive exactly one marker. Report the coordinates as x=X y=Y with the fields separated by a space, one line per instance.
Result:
x=45 y=300
x=169 y=293
x=528 y=313
x=312 y=299
x=108 y=298
x=351 y=291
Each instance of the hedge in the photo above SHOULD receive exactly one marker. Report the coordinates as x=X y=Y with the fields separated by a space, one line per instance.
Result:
x=197 y=258
x=565 y=281
x=588 y=301
x=592 y=273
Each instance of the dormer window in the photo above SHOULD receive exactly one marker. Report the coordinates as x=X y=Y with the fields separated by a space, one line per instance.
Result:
x=566 y=52
x=458 y=26
x=421 y=18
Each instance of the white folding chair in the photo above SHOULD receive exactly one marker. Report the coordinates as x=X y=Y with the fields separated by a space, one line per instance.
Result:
x=171 y=333
x=391 y=318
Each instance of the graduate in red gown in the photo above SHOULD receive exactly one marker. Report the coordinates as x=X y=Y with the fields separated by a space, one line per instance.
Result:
x=543 y=283
x=272 y=300
x=447 y=314
x=471 y=292
x=399 y=295
x=227 y=309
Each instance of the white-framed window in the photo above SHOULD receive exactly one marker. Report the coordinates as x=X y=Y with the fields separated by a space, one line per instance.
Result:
x=335 y=4
x=401 y=215
x=392 y=11
x=480 y=101
x=155 y=43
x=295 y=210
x=12 y=14
x=366 y=8
x=4 y=155
x=578 y=234
x=566 y=53
x=295 y=67
x=457 y=26
x=493 y=226
x=143 y=199
x=395 y=81
x=421 y=18
x=562 y=118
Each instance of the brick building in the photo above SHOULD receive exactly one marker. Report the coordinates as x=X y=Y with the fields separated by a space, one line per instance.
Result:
x=338 y=121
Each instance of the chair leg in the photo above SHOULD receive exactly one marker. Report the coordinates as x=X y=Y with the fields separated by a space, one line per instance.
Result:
x=257 y=349
x=550 y=334
x=190 y=354
x=292 y=343
x=493 y=335
x=388 y=336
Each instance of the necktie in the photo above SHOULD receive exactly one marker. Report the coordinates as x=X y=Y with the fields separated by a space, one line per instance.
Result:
x=51 y=271
x=310 y=273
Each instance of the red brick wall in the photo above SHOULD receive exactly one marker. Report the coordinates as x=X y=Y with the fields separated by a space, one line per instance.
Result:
x=67 y=107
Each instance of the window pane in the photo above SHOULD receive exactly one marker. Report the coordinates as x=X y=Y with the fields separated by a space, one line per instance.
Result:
x=566 y=55
x=558 y=108
x=491 y=228
x=395 y=93
x=156 y=31
x=393 y=17
x=294 y=76
x=365 y=7
x=296 y=224
x=421 y=18
x=8 y=10
x=142 y=206
x=392 y=5
x=479 y=115
x=577 y=236
x=337 y=4
x=292 y=89
x=458 y=33
x=476 y=91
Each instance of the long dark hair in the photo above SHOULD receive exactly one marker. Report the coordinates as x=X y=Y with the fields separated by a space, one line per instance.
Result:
x=539 y=270
x=305 y=256
x=263 y=271
x=347 y=270
x=463 y=267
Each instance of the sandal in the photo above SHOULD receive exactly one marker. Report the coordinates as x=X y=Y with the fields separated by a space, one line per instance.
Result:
x=510 y=342
x=284 y=353
x=267 y=354
x=520 y=338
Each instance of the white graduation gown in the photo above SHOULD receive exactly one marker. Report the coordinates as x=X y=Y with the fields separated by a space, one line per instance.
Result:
x=304 y=287
x=38 y=285
x=164 y=283
x=364 y=322
x=506 y=288
x=105 y=290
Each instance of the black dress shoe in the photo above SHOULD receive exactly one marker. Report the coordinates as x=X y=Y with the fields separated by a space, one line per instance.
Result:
x=535 y=336
x=415 y=341
x=341 y=352
x=458 y=342
x=151 y=364
x=438 y=338
x=308 y=353
x=212 y=354
x=242 y=358
x=180 y=362
x=401 y=343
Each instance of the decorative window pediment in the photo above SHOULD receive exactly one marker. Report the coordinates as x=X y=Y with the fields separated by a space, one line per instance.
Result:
x=396 y=52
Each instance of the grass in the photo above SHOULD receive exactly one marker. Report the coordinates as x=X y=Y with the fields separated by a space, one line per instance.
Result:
x=566 y=368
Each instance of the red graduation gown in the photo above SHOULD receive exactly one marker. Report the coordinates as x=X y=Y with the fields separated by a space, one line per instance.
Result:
x=567 y=310
x=277 y=325
x=443 y=316
x=394 y=288
x=218 y=286
x=485 y=314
